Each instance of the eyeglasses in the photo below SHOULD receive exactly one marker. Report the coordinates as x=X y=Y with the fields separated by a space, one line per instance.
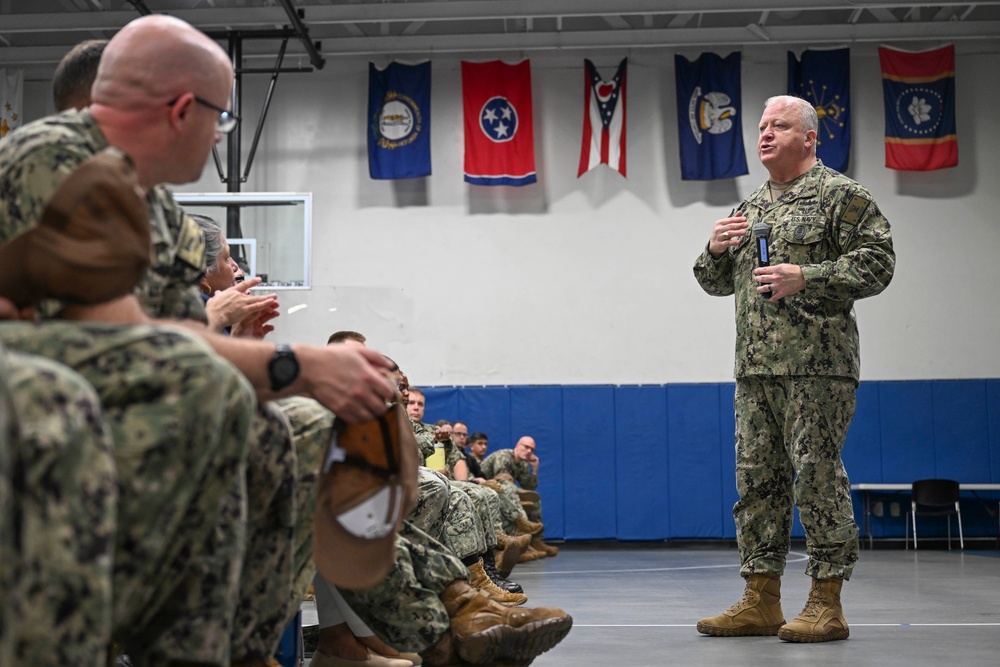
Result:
x=226 y=122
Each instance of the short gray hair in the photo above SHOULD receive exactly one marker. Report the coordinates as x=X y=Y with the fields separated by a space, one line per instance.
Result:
x=213 y=241
x=807 y=112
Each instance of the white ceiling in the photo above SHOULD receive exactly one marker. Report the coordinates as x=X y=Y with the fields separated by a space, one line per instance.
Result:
x=37 y=33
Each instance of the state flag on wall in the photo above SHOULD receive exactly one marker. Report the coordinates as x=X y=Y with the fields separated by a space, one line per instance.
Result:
x=499 y=139
x=11 y=100
x=399 y=121
x=919 y=91
x=603 y=119
x=708 y=123
x=823 y=77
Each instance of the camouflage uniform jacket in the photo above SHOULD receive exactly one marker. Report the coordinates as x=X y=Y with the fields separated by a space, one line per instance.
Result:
x=36 y=158
x=424 y=434
x=503 y=461
x=831 y=227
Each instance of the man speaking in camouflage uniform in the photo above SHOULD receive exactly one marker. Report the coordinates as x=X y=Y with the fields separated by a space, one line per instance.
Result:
x=823 y=244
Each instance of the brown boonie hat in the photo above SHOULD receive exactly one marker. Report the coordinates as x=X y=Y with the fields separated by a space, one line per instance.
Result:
x=367 y=486
x=92 y=242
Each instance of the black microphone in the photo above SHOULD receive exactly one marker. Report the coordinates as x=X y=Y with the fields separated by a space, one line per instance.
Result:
x=760 y=232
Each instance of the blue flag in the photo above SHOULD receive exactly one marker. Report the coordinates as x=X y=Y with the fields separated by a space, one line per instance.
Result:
x=708 y=122
x=399 y=121
x=824 y=79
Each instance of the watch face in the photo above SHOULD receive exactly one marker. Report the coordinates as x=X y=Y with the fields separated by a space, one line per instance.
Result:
x=285 y=369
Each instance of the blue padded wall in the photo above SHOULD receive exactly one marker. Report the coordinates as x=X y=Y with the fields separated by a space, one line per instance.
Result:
x=657 y=462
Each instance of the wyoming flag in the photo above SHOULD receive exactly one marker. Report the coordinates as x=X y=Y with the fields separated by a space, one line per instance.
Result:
x=11 y=100
x=603 y=120
x=919 y=91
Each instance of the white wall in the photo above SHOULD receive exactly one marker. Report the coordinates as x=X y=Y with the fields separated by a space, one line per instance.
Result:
x=589 y=281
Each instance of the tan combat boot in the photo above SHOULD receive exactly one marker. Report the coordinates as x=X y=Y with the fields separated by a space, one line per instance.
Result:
x=539 y=544
x=479 y=579
x=757 y=613
x=511 y=554
x=527 y=496
x=484 y=632
x=822 y=619
x=525 y=527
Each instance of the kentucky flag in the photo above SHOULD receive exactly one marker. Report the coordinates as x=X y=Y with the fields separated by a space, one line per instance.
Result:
x=823 y=77
x=919 y=91
x=603 y=120
x=708 y=108
x=499 y=140
x=399 y=121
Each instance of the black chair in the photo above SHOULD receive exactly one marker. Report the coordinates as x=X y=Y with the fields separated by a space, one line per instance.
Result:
x=934 y=497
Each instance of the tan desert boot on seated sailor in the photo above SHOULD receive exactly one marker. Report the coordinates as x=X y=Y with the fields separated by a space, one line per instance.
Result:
x=822 y=619
x=484 y=632
x=479 y=579
x=526 y=527
x=757 y=613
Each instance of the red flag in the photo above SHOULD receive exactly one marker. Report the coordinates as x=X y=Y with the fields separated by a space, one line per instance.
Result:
x=919 y=91
x=499 y=140
x=603 y=119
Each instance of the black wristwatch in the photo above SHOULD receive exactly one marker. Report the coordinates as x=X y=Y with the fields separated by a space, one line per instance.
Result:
x=283 y=368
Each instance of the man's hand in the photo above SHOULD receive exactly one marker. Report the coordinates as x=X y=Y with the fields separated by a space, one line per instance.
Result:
x=504 y=477
x=726 y=234
x=781 y=279
x=235 y=306
x=353 y=382
x=257 y=325
x=533 y=461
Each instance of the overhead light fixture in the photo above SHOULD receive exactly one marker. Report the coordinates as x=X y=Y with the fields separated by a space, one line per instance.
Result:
x=759 y=32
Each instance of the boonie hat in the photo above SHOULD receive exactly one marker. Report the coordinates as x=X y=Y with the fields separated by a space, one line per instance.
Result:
x=367 y=486
x=92 y=242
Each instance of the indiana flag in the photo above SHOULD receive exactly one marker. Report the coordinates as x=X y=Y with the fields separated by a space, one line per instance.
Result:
x=603 y=119
x=399 y=121
x=919 y=91
x=708 y=123
x=11 y=100
x=823 y=77
x=499 y=140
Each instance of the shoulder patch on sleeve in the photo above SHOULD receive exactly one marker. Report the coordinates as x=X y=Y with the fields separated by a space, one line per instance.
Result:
x=855 y=209
x=191 y=244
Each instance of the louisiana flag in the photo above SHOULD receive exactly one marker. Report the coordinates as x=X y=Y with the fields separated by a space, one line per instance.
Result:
x=919 y=91
x=823 y=77
x=708 y=123
x=399 y=121
x=499 y=140
x=603 y=119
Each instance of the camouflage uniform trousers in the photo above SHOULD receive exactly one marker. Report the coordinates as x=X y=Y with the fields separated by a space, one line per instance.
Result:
x=64 y=496
x=487 y=505
x=790 y=431
x=179 y=417
x=510 y=503
x=406 y=610
x=447 y=514
x=293 y=434
x=10 y=566
x=433 y=501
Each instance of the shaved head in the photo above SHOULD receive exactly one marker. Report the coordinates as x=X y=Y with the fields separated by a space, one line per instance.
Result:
x=155 y=58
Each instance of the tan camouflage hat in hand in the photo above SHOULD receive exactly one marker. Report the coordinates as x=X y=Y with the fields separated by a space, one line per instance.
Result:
x=92 y=243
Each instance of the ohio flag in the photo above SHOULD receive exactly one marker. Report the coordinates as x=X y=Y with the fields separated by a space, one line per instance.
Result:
x=11 y=100
x=603 y=119
x=499 y=140
x=919 y=91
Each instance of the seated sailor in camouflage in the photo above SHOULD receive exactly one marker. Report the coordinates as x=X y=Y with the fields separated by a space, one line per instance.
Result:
x=520 y=465
x=826 y=244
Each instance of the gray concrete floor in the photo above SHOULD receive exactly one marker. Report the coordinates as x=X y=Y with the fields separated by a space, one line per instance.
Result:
x=638 y=607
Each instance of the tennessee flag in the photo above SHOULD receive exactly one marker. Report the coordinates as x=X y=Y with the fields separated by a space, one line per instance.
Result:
x=919 y=91
x=603 y=120
x=499 y=140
